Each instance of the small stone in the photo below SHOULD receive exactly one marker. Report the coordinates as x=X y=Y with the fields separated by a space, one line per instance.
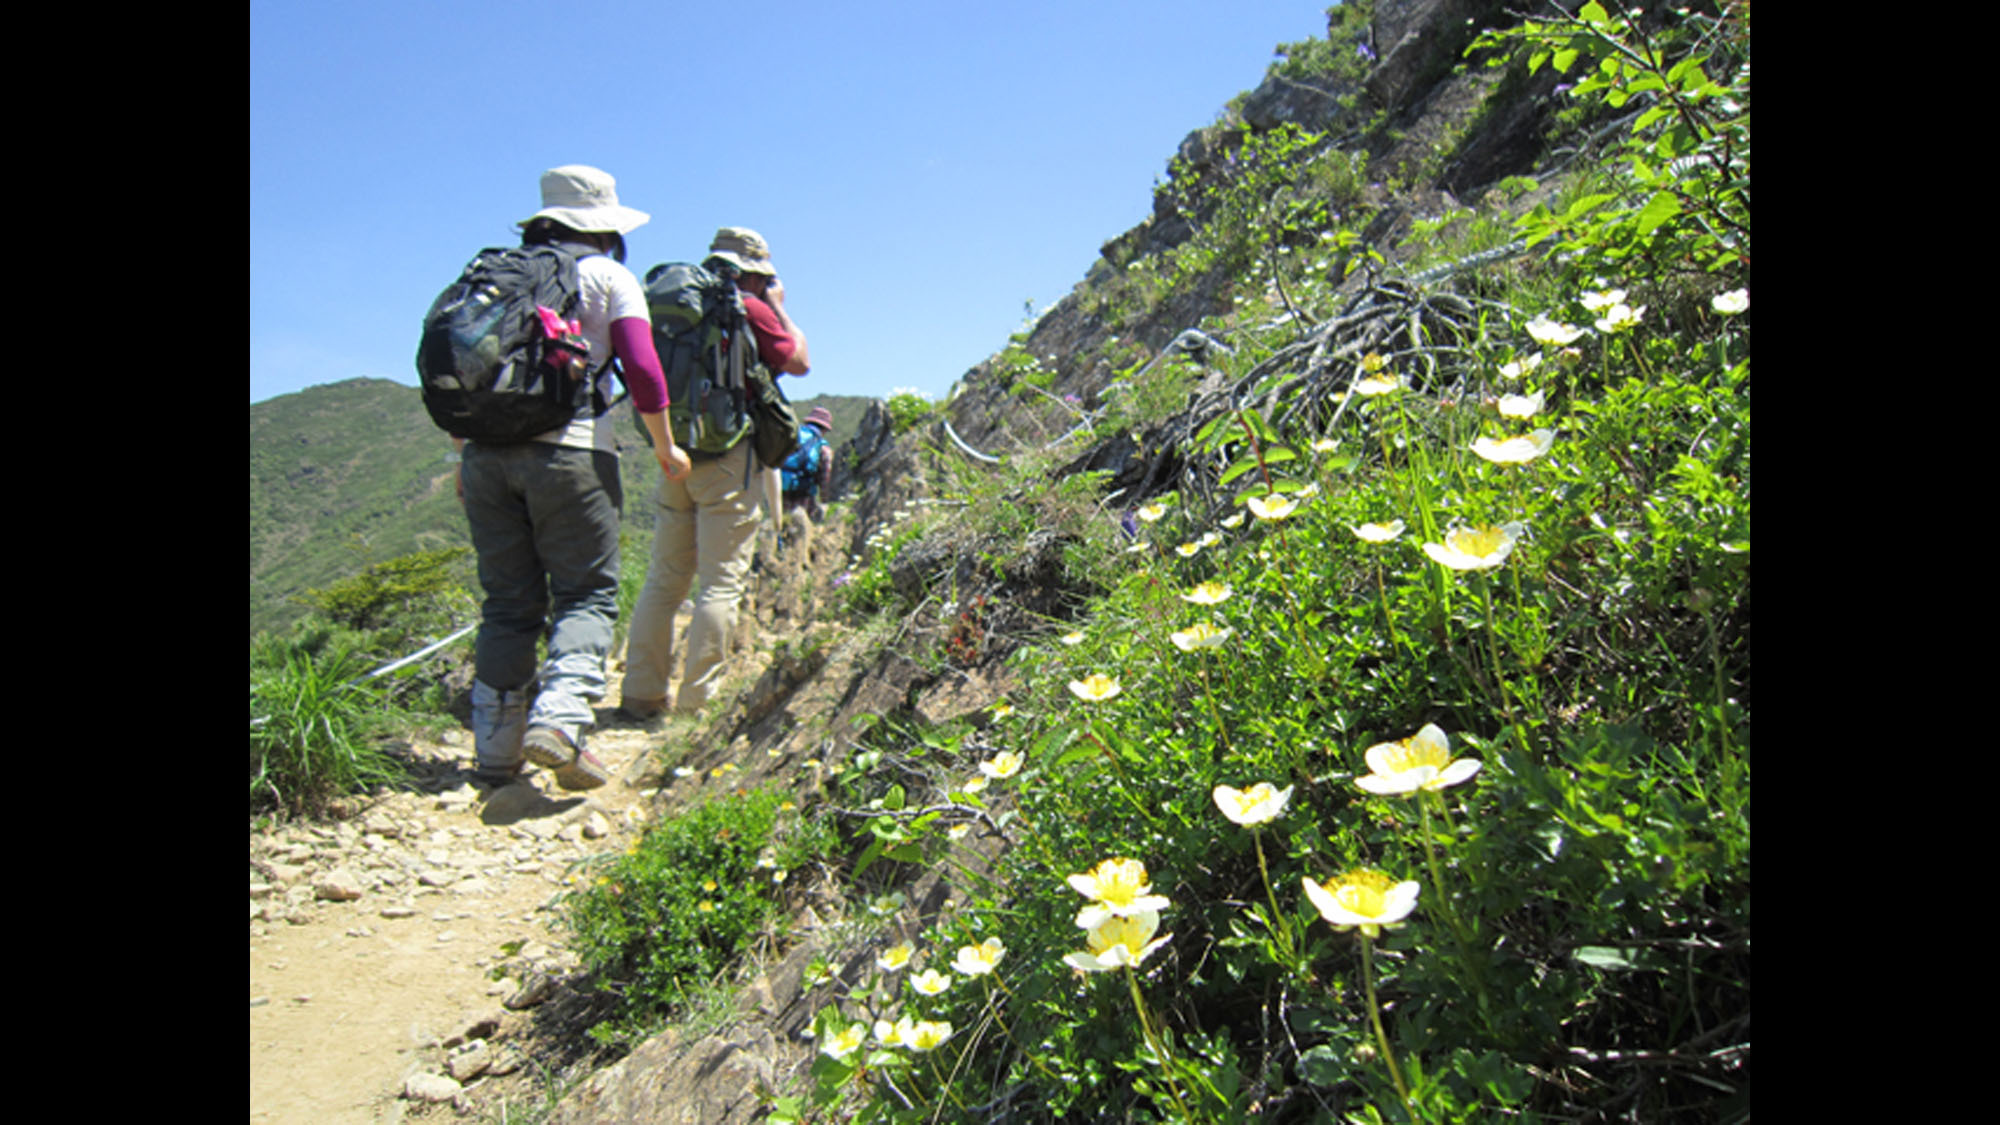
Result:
x=429 y=1087
x=469 y=1063
x=259 y=1001
x=539 y=988
x=397 y=912
x=596 y=827
x=448 y=935
x=338 y=885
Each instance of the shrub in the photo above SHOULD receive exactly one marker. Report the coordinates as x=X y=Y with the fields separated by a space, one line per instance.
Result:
x=310 y=722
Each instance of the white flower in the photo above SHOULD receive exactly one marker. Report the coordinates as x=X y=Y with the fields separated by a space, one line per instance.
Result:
x=930 y=982
x=1273 y=507
x=1421 y=761
x=1475 y=548
x=1116 y=942
x=1514 y=450
x=1377 y=385
x=1368 y=899
x=1521 y=367
x=1552 y=332
x=1620 y=318
x=846 y=1042
x=1254 y=805
x=1598 y=302
x=978 y=960
x=1732 y=302
x=1199 y=636
x=1379 y=532
x=1001 y=766
x=1521 y=406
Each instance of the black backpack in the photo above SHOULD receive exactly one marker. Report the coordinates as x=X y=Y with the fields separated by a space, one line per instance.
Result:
x=502 y=359
x=718 y=392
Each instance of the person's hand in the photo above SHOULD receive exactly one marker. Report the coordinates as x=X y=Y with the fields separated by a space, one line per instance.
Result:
x=674 y=462
x=774 y=291
x=458 y=479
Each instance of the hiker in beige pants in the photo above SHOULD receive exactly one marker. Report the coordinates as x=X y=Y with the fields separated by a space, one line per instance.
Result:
x=708 y=521
x=707 y=532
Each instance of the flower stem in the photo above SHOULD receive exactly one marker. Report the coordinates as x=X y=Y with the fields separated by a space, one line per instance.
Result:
x=1375 y=1017
x=1159 y=1049
x=1458 y=931
x=1278 y=923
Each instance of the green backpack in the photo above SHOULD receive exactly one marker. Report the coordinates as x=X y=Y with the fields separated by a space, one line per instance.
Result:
x=717 y=390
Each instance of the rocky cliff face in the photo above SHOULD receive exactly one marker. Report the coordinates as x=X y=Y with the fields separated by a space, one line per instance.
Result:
x=1414 y=104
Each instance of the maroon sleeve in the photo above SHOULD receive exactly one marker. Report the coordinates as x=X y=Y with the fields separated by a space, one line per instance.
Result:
x=774 y=344
x=632 y=341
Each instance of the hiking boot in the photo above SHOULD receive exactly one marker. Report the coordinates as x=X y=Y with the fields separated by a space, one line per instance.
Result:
x=575 y=768
x=495 y=777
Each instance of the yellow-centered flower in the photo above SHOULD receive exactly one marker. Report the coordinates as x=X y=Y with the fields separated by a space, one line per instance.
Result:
x=1377 y=385
x=1521 y=367
x=1001 y=766
x=1514 y=450
x=1254 y=805
x=1421 y=761
x=1094 y=688
x=978 y=960
x=1199 y=635
x=1274 y=507
x=1152 y=512
x=1732 y=302
x=924 y=1035
x=1361 y=898
x=930 y=982
x=1208 y=593
x=895 y=957
x=1379 y=532
x=1552 y=332
x=847 y=1042
x=1118 y=942
x=1475 y=548
x=1116 y=888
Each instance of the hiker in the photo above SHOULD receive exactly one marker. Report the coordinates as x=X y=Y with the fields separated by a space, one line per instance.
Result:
x=544 y=512
x=708 y=522
x=807 y=473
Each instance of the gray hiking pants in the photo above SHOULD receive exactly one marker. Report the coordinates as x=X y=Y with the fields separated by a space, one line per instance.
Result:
x=544 y=522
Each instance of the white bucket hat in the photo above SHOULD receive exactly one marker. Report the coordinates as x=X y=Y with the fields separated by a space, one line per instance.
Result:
x=585 y=199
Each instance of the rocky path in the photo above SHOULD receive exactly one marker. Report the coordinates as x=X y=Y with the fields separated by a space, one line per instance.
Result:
x=396 y=957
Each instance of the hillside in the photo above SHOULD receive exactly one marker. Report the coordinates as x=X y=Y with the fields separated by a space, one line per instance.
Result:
x=354 y=473
x=1303 y=677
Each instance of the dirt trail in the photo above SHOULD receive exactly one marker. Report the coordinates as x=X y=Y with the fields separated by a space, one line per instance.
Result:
x=350 y=998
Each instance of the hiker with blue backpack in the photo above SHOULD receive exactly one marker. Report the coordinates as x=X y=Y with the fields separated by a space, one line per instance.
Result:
x=806 y=474
x=734 y=341
x=516 y=364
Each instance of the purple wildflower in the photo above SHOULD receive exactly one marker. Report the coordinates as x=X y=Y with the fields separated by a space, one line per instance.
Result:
x=1365 y=51
x=1129 y=524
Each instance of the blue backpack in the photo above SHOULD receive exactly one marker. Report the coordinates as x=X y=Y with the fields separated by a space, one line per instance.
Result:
x=801 y=467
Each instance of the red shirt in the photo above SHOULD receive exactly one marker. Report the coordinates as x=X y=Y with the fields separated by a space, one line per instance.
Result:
x=774 y=345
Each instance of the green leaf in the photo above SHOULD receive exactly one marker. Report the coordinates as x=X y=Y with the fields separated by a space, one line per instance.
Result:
x=1593 y=13
x=1615 y=959
x=1587 y=204
x=1322 y=1065
x=1238 y=469
x=906 y=853
x=894 y=800
x=1565 y=59
x=1659 y=209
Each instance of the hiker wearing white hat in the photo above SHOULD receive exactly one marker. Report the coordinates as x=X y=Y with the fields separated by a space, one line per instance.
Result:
x=544 y=512
x=708 y=523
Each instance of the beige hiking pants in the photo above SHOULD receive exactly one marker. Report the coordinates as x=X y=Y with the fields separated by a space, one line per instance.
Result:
x=707 y=533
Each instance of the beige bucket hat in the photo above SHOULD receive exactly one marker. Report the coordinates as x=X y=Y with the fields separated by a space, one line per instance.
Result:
x=743 y=248
x=585 y=199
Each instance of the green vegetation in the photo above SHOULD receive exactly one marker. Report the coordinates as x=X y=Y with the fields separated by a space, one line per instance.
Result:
x=1402 y=770
x=311 y=722
x=660 y=922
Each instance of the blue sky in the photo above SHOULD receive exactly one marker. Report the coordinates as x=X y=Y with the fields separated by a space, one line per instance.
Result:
x=920 y=170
